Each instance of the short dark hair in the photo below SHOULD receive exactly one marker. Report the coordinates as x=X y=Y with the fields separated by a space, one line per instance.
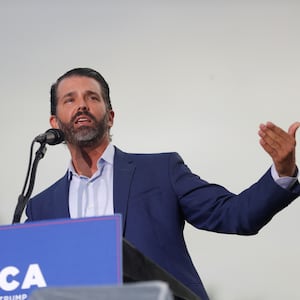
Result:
x=86 y=72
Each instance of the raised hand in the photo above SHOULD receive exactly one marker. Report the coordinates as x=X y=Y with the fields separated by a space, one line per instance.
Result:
x=281 y=146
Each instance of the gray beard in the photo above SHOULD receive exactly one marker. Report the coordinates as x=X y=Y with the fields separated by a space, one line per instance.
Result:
x=85 y=136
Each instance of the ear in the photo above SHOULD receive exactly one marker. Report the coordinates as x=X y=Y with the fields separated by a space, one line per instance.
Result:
x=53 y=122
x=111 y=115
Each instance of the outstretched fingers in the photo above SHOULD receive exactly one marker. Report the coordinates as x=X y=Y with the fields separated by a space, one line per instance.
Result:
x=280 y=145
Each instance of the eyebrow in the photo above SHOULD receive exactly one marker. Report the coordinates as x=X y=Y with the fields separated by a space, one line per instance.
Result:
x=88 y=92
x=67 y=95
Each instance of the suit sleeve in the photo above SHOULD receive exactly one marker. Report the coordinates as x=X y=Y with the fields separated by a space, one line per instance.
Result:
x=214 y=208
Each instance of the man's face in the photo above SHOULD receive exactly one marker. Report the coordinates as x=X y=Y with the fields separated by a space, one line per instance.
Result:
x=81 y=112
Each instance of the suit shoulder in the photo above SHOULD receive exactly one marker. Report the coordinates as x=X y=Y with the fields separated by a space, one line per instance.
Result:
x=161 y=161
x=158 y=156
x=52 y=188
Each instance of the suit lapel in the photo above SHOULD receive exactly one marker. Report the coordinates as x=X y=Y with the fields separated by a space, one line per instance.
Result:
x=61 y=198
x=123 y=174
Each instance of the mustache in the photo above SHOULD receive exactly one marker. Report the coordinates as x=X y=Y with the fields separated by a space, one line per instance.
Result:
x=83 y=113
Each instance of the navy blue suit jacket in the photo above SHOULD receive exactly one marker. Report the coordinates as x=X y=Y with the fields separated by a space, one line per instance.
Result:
x=157 y=193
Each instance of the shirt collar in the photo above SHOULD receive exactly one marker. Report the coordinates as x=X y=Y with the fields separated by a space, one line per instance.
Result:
x=108 y=154
x=106 y=157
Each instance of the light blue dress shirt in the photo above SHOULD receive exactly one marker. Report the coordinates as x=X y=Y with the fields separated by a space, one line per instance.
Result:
x=93 y=196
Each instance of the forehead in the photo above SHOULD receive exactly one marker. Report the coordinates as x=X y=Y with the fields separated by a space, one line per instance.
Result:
x=77 y=84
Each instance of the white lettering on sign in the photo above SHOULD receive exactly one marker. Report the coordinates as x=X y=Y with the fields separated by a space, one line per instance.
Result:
x=14 y=297
x=4 y=276
x=33 y=277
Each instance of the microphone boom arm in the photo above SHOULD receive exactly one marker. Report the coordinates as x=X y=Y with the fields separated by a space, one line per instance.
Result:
x=24 y=197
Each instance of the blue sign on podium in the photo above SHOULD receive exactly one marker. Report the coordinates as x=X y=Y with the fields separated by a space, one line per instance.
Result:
x=62 y=252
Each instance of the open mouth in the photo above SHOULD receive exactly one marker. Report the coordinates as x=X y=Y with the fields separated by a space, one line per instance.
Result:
x=82 y=120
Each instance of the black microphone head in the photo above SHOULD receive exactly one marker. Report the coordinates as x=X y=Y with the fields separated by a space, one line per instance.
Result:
x=54 y=136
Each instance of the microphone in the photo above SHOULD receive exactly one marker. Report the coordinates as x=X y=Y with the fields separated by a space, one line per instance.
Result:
x=51 y=136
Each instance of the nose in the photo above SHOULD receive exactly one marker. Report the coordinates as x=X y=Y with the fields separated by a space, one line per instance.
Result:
x=82 y=105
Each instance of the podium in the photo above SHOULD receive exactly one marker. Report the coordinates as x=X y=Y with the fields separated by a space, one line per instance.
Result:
x=150 y=290
x=89 y=255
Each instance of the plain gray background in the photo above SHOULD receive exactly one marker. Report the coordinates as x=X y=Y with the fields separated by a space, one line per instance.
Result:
x=197 y=77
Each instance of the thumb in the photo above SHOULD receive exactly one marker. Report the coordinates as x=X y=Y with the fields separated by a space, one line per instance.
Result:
x=293 y=128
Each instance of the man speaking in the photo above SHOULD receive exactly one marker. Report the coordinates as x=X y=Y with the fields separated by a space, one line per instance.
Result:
x=155 y=193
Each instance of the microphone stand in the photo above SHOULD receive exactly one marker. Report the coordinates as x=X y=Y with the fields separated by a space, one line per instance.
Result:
x=24 y=196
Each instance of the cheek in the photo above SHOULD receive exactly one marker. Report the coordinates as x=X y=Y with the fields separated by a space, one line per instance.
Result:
x=98 y=112
x=64 y=114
